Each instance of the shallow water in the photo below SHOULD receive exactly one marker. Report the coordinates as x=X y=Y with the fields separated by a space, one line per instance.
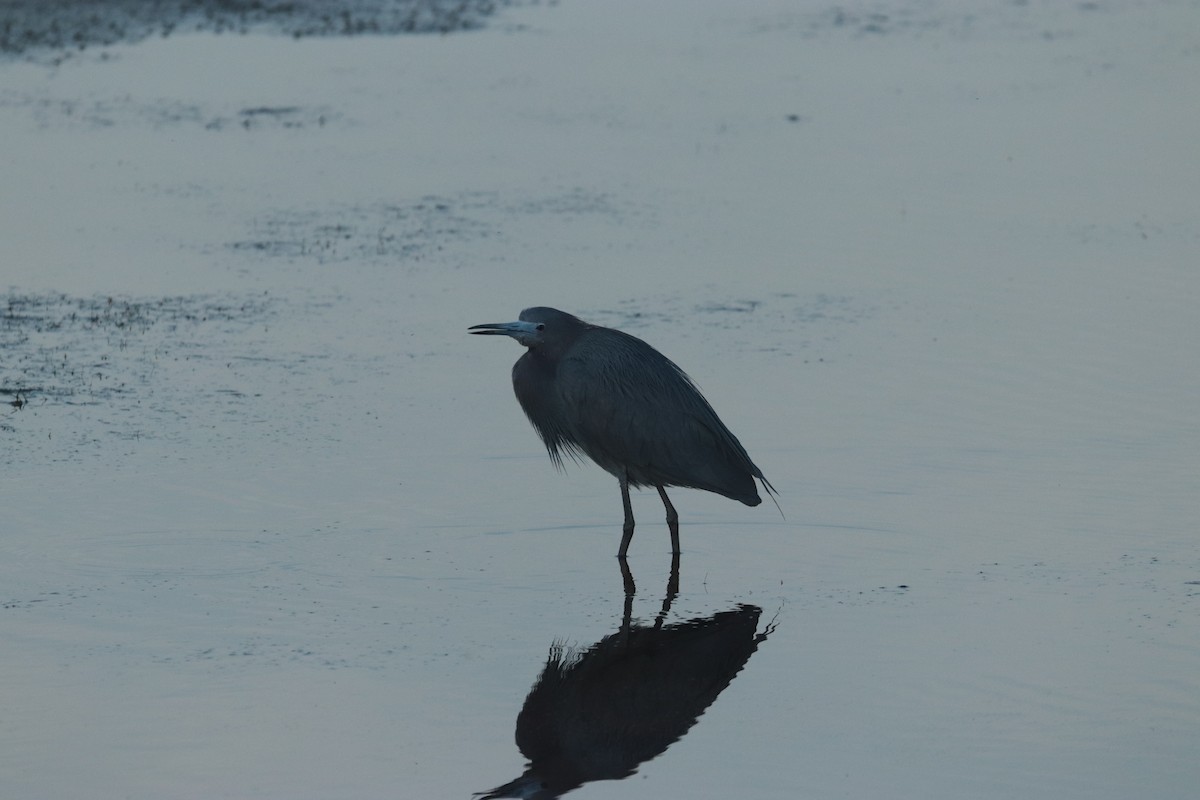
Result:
x=274 y=525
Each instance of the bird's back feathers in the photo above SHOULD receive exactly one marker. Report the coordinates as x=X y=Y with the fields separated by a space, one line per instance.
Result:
x=633 y=411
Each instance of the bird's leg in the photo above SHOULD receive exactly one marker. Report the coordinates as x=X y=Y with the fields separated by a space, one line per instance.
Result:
x=627 y=537
x=672 y=518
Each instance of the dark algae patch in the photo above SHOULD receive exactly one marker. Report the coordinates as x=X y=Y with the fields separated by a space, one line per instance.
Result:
x=56 y=28
x=88 y=369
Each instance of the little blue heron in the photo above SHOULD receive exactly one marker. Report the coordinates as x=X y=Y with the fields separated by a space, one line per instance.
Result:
x=597 y=392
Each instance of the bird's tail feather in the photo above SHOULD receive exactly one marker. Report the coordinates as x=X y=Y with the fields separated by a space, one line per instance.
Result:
x=771 y=493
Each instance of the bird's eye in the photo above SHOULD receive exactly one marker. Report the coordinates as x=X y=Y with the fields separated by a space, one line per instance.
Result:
x=541 y=327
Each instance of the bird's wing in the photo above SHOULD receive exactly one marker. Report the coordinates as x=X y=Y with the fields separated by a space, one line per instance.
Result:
x=631 y=408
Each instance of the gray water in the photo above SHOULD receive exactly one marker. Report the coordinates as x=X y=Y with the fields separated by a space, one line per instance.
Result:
x=273 y=525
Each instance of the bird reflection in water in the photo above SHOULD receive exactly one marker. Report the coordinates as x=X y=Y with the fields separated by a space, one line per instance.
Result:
x=597 y=713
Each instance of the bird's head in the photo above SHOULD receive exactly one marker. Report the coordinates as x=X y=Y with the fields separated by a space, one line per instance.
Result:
x=536 y=327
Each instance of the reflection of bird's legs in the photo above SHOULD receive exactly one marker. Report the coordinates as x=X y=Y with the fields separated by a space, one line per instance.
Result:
x=627 y=578
x=672 y=518
x=627 y=537
x=630 y=591
x=673 y=581
x=672 y=592
x=627 y=617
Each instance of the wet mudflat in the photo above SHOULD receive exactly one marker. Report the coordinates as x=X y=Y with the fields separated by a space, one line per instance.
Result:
x=273 y=525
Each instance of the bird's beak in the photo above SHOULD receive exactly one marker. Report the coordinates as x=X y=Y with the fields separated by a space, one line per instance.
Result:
x=513 y=329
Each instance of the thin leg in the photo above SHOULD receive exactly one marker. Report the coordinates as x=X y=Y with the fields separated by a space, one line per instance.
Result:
x=627 y=537
x=672 y=518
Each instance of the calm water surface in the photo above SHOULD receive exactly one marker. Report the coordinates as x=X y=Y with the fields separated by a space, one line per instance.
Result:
x=273 y=524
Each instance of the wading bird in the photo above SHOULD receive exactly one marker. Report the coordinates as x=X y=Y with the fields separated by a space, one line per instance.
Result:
x=597 y=392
